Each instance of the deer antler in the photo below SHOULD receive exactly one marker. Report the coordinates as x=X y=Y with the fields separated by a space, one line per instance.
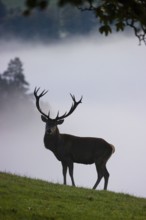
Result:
x=73 y=107
x=38 y=98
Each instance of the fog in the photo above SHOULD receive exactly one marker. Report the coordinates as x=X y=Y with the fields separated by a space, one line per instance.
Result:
x=111 y=76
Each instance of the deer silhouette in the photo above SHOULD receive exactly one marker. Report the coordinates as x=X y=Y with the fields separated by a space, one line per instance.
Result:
x=71 y=149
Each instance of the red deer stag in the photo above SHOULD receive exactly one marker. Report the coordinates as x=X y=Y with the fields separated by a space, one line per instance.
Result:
x=71 y=149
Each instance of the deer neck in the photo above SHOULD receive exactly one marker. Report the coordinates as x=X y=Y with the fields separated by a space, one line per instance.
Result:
x=51 y=141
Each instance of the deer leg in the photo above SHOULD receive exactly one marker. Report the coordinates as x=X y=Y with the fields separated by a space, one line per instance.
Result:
x=99 y=174
x=64 y=171
x=106 y=177
x=71 y=173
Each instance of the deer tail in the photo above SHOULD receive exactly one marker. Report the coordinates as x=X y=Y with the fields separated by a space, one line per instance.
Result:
x=113 y=148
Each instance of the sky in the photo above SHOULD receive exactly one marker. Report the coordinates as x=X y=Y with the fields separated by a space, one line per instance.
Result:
x=111 y=75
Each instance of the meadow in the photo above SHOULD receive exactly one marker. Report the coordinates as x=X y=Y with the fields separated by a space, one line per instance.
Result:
x=32 y=199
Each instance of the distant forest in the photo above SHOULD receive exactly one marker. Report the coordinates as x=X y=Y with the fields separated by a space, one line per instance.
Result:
x=49 y=25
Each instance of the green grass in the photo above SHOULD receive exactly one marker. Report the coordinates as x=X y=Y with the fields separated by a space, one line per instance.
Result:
x=24 y=199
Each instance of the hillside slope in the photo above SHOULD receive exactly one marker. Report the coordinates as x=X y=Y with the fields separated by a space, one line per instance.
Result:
x=25 y=199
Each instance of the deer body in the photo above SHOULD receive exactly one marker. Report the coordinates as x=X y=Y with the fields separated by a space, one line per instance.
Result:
x=84 y=150
x=71 y=149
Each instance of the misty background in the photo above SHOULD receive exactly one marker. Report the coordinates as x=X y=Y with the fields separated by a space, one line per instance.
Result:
x=110 y=73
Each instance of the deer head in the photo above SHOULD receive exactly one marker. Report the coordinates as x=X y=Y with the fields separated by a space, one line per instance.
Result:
x=52 y=123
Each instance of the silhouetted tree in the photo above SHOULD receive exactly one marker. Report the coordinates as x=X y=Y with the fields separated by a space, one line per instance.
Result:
x=15 y=76
x=16 y=103
x=13 y=86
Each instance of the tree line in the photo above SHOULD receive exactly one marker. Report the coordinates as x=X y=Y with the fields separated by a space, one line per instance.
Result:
x=49 y=25
x=57 y=19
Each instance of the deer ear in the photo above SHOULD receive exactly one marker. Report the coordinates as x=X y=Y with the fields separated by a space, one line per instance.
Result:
x=44 y=119
x=60 y=122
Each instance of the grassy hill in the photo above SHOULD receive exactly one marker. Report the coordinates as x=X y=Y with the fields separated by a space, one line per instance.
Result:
x=29 y=199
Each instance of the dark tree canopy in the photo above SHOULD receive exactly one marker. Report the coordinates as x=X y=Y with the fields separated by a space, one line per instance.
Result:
x=111 y=14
